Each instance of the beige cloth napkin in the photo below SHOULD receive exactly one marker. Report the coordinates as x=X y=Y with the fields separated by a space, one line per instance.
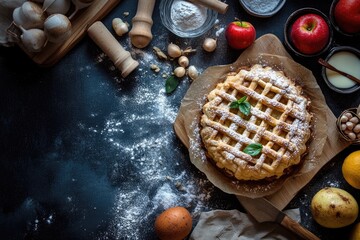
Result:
x=235 y=225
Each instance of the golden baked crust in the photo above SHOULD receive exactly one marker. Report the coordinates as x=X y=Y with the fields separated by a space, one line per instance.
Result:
x=279 y=120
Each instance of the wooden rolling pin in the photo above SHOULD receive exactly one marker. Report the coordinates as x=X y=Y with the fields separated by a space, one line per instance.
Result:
x=140 y=34
x=215 y=5
x=106 y=41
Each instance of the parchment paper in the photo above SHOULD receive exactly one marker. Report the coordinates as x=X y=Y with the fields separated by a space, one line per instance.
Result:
x=259 y=52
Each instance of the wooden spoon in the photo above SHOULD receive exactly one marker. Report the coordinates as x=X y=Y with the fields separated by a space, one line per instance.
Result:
x=331 y=67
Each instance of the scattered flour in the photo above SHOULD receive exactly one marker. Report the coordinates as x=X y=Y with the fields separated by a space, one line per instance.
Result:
x=154 y=180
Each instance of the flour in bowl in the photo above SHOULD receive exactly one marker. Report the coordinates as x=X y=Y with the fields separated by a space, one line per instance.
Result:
x=187 y=16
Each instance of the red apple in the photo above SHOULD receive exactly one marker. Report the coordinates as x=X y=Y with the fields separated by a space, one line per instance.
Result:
x=310 y=33
x=240 y=34
x=347 y=15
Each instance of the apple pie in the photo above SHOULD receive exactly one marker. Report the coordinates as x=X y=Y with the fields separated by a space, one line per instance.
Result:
x=256 y=124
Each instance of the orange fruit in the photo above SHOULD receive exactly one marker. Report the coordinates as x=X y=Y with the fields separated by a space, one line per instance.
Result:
x=351 y=169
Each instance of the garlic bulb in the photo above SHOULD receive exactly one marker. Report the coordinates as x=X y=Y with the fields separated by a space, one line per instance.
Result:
x=29 y=15
x=173 y=50
x=209 y=44
x=179 y=72
x=119 y=26
x=56 y=6
x=193 y=72
x=33 y=40
x=57 y=28
x=183 y=61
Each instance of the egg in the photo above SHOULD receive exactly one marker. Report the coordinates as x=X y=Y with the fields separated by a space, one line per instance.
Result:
x=173 y=224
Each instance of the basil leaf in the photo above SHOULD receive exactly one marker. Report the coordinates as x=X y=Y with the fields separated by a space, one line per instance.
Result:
x=234 y=104
x=243 y=105
x=241 y=100
x=253 y=149
x=245 y=108
x=171 y=84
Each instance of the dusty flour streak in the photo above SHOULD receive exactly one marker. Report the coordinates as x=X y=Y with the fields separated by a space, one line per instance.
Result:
x=133 y=209
x=154 y=182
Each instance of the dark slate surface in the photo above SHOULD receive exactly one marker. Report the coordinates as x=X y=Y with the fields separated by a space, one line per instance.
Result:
x=85 y=154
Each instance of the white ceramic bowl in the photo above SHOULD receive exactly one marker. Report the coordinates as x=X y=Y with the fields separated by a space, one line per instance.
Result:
x=334 y=50
x=165 y=8
x=265 y=9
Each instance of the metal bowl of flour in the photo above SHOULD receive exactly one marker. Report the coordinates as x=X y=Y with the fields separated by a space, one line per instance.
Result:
x=186 y=19
x=262 y=8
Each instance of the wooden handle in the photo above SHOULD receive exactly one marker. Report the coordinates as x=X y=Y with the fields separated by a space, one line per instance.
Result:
x=112 y=48
x=331 y=67
x=140 y=34
x=296 y=228
x=215 y=5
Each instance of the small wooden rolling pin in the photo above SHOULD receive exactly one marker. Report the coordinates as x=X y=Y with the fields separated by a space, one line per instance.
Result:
x=215 y=5
x=140 y=33
x=106 y=41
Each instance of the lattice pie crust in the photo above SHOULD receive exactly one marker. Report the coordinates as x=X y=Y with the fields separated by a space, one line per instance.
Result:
x=279 y=120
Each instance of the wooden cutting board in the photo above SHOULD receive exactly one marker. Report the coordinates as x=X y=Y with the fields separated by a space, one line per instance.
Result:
x=52 y=53
x=270 y=44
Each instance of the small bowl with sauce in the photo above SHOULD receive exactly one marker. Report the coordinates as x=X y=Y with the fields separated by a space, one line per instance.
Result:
x=186 y=19
x=335 y=24
x=346 y=59
x=288 y=41
x=262 y=8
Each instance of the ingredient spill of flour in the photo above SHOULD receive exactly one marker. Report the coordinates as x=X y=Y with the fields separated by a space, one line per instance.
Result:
x=187 y=16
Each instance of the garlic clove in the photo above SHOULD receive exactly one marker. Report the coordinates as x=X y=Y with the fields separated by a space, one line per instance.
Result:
x=173 y=50
x=33 y=40
x=57 y=28
x=183 y=61
x=209 y=44
x=119 y=26
x=193 y=72
x=179 y=72
x=56 y=6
